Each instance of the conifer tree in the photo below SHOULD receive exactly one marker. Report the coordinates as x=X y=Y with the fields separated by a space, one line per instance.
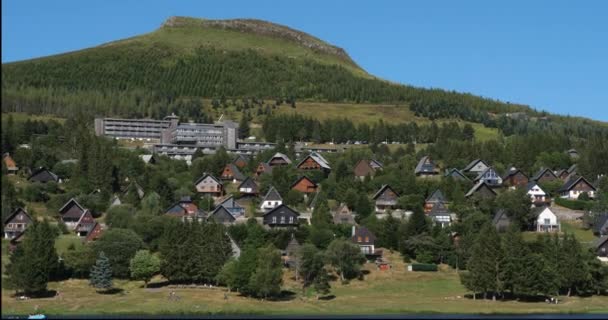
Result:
x=321 y=283
x=484 y=266
x=268 y=275
x=100 y=276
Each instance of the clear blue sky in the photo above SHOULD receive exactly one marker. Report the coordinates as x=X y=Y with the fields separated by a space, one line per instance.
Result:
x=550 y=55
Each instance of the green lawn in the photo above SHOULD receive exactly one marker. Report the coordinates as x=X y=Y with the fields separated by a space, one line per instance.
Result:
x=63 y=242
x=381 y=292
x=572 y=227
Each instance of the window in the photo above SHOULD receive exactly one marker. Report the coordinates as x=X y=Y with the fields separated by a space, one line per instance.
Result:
x=359 y=239
x=547 y=221
x=282 y=220
x=366 y=239
x=290 y=219
x=274 y=219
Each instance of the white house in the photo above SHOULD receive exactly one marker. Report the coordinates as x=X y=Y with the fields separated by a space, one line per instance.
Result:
x=272 y=200
x=575 y=186
x=546 y=221
x=537 y=195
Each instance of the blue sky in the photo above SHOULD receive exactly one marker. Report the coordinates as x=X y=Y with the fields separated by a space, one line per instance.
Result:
x=550 y=55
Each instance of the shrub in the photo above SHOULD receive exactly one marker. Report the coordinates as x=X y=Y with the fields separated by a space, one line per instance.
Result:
x=574 y=204
x=424 y=267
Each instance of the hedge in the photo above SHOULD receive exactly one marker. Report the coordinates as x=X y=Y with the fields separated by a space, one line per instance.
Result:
x=574 y=204
x=424 y=267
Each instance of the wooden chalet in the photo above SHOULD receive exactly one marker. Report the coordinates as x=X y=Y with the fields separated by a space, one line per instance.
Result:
x=184 y=209
x=365 y=239
x=208 y=185
x=43 y=175
x=231 y=205
x=600 y=226
x=501 y=220
x=314 y=161
x=262 y=168
x=85 y=224
x=133 y=186
x=305 y=185
x=232 y=173
x=9 y=162
x=16 y=223
x=222 y=215
x=115 y=201
x=426 y=168
x=343 y=215
x=148 y=158
x=456 y=175
x=476 y=166
x=515 y=178
x=440 y=215
x=95 y=233
x=278 y=159
x=537 y=195
x=576 y=186
x=281 y=216
x=601 y=247
x=481 y=189
x=435 y=197
x=385 y=199
x=365 y=168
x=544 y=175
x=248 y=188
x=71 y=212
x=490 y=177
x=240 y=161
x=271 y=200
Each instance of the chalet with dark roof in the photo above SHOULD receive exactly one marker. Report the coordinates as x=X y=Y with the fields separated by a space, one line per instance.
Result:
x=281 y=216
x=365 y=168
x=601 y=247
x=115 y=201
x=476 y=166
x=426 y=168
x=271 y=200
x=240 y=161
x=208 y=185
x=515 y=178
x=365 y=239
x=184 y=209
x=9 y=162
x=435 y=197
x=222 y=215
x=233 y=207
x=248 y=188
x=43 y=175
x=456 y=175
x=314 y=161
x=537 y=195
x=305 y=185
x=71 y=213
x=85 y=224
x=385 y=199
x=544 y=175
x=600 y=225
x=441 y=215
x=343 y=215
x=262 y=168
x=16 y=222
x=562 y=174
x=95 y=233
x=490 y=177
x=133 y=186
x=279 y=159
x=501 y=220
x=575 y=186
x=232 y=173
x=481 y=189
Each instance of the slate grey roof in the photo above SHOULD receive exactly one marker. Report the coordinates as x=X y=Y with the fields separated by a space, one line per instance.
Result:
x=221 y=214
x=379 y=193
x=513 y=172
x=15 y=212
x=375 y=164
x=473 y=163
x=248 y=183
x=318 y=159
x=477 y=186
x=483 y=173
x=600 y=241
x=236 y=172
x=572 y=181
x=279 y=155
x=272 y=195
x=436 y=196
x=601 y=223
x=454 y=171
x=439 y=209
x=205 y=176
x=426 y=165
x=500 y=214
x=230 y=203
x=540 y=173
x=572 y=168
x=531 y=185
x=69 y=202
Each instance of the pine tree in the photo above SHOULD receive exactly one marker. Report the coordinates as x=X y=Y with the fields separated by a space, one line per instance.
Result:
x=101 y=274
x=321 y=283
x=244 y=127
x=15 y=270
x=484 y=266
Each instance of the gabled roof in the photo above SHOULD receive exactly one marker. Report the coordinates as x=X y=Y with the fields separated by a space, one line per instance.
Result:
x=303 y=178
x=221 y=211
x=236 y=172
x=318 y=159
x=230 y=203
x=280 y=208
x=138 y=188
x=381 y=191
x=279 y=155
x=248 y=183
x=601 y=222
x=363 y=232
x=473 y=163
x=240 y=157
x=439 y=209
x=537 y=211
x=477 y=187
x=560 y=172
x=426 y=165
x=293 y=246
x=572 y=168
x=531 y=185
x=455 y=171
x=147 y=158
x=573 y=181
x=484 y=172
x=541 y=172
x=272 y=195
x=70 y=202
x=267 y=168
x=82 y=224
x=512 y=172
x=205 y=175
x=600 y=242
x=15 y=212
x=375 y=164
x=53 y=176
x=500 y=215
x=436 y=196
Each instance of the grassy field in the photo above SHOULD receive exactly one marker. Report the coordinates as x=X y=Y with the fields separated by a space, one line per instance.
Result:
x=573 y=227
x=20 y=117
x=381 y=292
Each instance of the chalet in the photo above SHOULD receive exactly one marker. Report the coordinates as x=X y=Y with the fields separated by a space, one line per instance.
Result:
x=208 y=185
x=490 y=177
x=16 y=223
x=562 y=174
x=537 y=195
x=148 y=158
x=85 y=224
x=575 y=186
x=385 y=198
x=262 y=168
x=248 y=187
x=281 y=216
x=271 y=200
x=290 y=254
x=232 y=172
x=426 y=168
x=573 y=153
x=572 y=169
x=365 y=239
x=544 y=175
x=600 y=226
x=343 y=215
x=515 y=178
x=434 y=198
x=278 y=159
x=476 y=166
x=501 y=220
x=115 y=201
x=240 y=161
x=222 y=215
x=185 y=209
x=95 y=232
x=71 y=213
x=441 y=215
x=365 y=168
x=546 y=220
x=456 y=174
x=43 y=175
x=231 y=205
x=482 y=190
x=133 y=186
x=305 y=185
x=11 y=165
x=601 y=247
x=314 y=161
